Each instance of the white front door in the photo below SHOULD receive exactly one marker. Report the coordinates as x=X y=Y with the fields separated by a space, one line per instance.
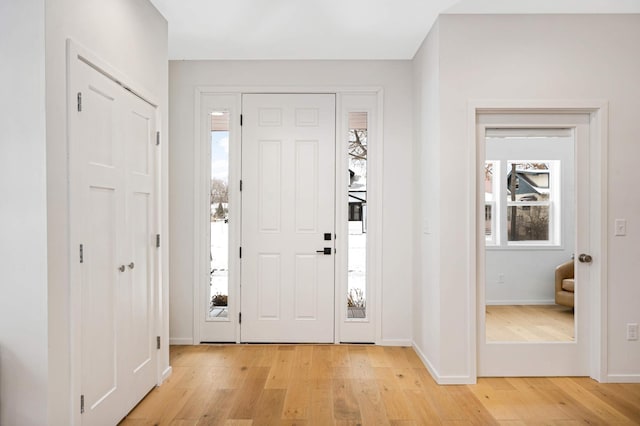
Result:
x=288 y=211
x=112 y=186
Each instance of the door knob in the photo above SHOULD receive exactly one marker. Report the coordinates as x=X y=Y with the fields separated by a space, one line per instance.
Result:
x=131 y=265
x=121 y=268
x=326 y=250
x=585 y=258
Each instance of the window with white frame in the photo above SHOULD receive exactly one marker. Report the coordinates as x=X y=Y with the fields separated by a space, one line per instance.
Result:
x=522 y=203
x=491 y=181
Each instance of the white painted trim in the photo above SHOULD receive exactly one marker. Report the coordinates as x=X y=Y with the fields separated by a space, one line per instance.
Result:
x=396 y=342
x=475 y=288
x=376 y=243
x=440 y=379
x=520 y=302
x=599 y=313
x=201 y=163
x=598 y=111
x=77 y=50
x=366 y=330
x=182 y=341
x=340 y=219
x=378 y=205
x=622 y=378
x=288 y=89
x=165 y=375
x=197 y=212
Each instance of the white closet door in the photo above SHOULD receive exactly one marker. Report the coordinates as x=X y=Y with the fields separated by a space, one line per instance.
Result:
x=138 y=298
x=288 y=204
x=100 y=200
x=112 y=186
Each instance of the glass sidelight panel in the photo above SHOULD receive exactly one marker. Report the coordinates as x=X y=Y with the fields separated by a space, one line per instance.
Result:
x=357 y=256
x=219 y=231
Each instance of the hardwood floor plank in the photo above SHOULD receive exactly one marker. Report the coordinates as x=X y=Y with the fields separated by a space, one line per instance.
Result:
x=251 y=391
x=269 y=407
x=495 y=400
x=621 y=400
x=469 y=406
x=280 y=372
x=581 y=395
x=362 y=385
x=297 y=401
x=377 y=357
x=345 y=404
x=529 y=323
x=395 y=404
x=302 y=362
x=421 y=407
x=532 y=404
x=196 y=406
x=235 y=422
x=370 y=403
x=219 y=407
x=321 y=402
x=321 y=363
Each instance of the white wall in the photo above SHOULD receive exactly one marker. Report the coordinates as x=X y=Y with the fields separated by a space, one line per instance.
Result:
x=426 y=171
x=23 y=210
x=537 y=57
x=131 y=36
x=393 y=76
x=528 y=273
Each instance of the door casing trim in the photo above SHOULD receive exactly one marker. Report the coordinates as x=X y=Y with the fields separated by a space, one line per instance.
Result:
x=374 y=252
x=598 y=132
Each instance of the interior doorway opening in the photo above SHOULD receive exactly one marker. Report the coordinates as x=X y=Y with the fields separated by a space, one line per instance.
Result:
x=529 y=192
x=581 y=356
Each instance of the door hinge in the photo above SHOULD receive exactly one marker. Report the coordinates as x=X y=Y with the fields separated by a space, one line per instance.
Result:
x=157 y=240
x=157 y=342
x=240 y=252
x=81 y=404
x=240 y=185
x=239 y=317
x=158 y=137
x=241 y=119
x=81 y=253
x=79 y=101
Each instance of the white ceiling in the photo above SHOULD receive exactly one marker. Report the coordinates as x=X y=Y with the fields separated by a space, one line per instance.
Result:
x=332 y=29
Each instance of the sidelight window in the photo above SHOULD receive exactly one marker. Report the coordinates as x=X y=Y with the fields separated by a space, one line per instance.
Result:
x=219 y=215
x=357 y=256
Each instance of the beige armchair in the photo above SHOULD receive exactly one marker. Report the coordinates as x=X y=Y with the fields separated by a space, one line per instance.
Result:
x=565 y=284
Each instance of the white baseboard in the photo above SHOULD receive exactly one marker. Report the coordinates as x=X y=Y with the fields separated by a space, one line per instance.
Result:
x=166 y=373
x=440 y=379
x=395 y=342
x=181 y=341
x=623 y=378
x=520 y=302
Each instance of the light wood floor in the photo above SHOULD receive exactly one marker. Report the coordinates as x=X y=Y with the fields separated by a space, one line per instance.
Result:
x=362 y=385
x=529 y=323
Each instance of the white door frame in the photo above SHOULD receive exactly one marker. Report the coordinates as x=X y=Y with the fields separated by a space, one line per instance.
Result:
x=374 y=243
x=205 y=103
x=598 y=131
x=77 y=53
